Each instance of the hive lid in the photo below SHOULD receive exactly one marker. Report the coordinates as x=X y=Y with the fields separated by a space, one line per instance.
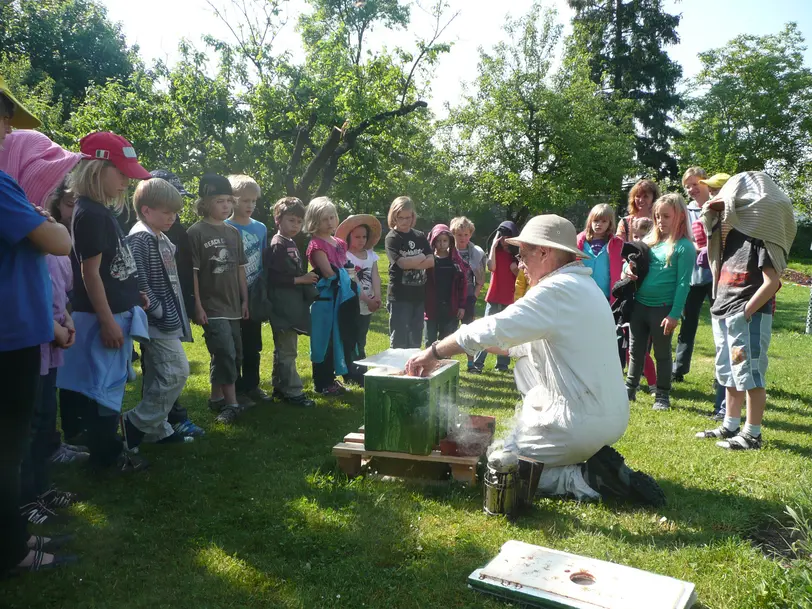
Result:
x=393 y=361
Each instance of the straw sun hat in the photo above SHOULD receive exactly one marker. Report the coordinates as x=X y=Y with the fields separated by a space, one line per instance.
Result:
x=549 y=231
x=352 y=222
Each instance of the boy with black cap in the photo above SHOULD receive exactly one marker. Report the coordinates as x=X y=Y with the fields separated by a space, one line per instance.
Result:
x=221 y=290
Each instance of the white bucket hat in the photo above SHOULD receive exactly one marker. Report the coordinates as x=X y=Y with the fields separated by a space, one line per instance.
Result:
x=549 y=231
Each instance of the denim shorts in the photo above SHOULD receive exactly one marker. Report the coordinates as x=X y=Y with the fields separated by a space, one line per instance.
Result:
x=741 y=350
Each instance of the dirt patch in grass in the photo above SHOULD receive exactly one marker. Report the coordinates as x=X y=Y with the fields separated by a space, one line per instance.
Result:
x=793 y=276
x=776 y=541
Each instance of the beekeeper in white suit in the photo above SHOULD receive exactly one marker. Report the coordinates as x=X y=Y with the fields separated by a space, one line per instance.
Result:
x=577 y=405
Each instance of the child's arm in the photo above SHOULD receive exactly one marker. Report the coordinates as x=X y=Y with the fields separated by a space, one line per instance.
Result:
x=244 y=293
x=426 y=263
x=111 y=335
x=767 y=290
x=140 y=251
x=68 y=323
x=686 y=257
x=200 y=314
x=319 y=260
x=492 y=255
x=514 y=268
x=376 y=284
x=50 y=237
x=403 y=262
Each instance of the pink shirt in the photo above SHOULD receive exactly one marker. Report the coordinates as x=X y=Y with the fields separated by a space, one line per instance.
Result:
x=59 y=268
x=336 y=254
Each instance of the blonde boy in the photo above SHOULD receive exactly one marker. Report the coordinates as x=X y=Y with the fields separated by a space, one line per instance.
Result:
x=254 y=241
x=164 y=362
x=463 y=229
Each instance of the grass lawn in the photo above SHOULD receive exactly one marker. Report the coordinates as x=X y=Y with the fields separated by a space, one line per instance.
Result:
x=243 y=518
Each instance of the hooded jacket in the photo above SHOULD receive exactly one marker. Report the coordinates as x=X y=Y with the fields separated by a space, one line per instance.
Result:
x=636 y=253
x=459 y=287
x=615 y=251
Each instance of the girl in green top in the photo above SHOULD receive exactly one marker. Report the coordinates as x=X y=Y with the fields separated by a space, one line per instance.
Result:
x=661 y=297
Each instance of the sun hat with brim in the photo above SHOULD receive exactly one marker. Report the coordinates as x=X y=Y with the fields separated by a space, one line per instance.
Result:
x=22 y=119
x=38 y=164
x=549 y=231
x=107 y=146
x=717 y=180
x=352 y=222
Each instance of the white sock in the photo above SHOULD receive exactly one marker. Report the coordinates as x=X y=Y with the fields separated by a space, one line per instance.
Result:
x=731 y=423
x=752 y=430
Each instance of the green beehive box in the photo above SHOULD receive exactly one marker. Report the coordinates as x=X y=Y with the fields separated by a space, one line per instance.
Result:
x=408 y=414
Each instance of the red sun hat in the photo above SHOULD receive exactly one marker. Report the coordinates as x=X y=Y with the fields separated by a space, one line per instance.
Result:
x=107 y=146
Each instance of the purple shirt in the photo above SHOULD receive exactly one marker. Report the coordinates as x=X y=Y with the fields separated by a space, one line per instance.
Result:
x=59 y=268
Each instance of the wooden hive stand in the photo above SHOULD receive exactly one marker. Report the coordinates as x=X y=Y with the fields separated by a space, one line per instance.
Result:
x=351 y=455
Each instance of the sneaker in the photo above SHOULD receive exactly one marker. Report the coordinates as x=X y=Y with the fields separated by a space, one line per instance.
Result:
x=78 y=448
x=718 y=415
x=36 y=513
x=258 y=396
x=678 y=378
x=300 y=400
x=720 y=433
x=631 y=392
x=227 y=415
x=244 y=402
x=217 y=405
x=187 y=428
x=130 y=462
x=661 y=401
x=64 y=454
x=131 y=435
x=474 y=370
x=607 y=473
x=335 y=389
x=176 y=438
x=55 y=499
x=500 y=368
x=741 y=441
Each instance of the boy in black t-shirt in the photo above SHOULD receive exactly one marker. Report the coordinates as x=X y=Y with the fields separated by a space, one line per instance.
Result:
x=410 y=255
x=742 y=316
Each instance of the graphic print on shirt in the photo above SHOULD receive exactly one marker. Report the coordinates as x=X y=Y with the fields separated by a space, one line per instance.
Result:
x=221 y=260
x=253 y=253
x=413 y=276
x=122 y=265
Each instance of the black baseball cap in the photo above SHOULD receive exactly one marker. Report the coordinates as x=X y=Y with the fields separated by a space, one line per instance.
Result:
x=212 y=185
x=172 y=179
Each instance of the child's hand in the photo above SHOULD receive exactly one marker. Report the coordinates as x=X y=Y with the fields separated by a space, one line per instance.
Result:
x=307 y=279
x=714 y=205
x=111 y=336
x=62 y=336
x=200 y=316
x=668 y=325
x=245 y=313
x=460 y=313
x=144 y=300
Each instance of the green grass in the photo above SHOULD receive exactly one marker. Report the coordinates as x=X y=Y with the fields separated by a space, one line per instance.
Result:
x=242 y=518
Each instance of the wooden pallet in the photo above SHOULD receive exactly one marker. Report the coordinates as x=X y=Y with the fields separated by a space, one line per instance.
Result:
x=351 y=455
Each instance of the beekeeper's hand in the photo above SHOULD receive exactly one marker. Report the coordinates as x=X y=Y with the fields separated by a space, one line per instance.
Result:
x=422 y=364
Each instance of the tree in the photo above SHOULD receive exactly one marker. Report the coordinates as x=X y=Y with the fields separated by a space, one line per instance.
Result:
x=751 y=109
x=625 y=43
x=345 y=93
x=535 y=141
x=70 y=42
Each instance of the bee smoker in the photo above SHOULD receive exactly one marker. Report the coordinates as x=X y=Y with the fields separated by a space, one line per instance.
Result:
x=500 y=488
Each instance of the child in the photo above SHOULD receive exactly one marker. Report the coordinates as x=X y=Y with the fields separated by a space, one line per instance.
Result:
x=292 y=292
x=40 y=166
x=661 y=296
x=750 y=228
x=178 y=416
x=462 y=229
x=254 y=241
x=409 y=256
x=522 y=285
x=163 y=360
x=362 y=233
x=331 y=343
x=106 y=300
x=446 y=288
x=602 y=247
x=504 y=268
x=26 y=322
x=641 y=227
x=221 y=291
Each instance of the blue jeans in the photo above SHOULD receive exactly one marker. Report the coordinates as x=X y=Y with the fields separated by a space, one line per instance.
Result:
x=502 y=361
x=45 y=439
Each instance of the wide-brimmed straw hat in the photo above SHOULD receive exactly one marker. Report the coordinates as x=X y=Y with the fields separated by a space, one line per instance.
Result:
x=352 y=222
x=22 y=119
x=549 y=231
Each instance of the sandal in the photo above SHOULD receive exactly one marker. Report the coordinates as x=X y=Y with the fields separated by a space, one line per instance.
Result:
x=720 y=433
x=54 y=498
x=741 y=441
x=52 y=544
x=38 y=565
